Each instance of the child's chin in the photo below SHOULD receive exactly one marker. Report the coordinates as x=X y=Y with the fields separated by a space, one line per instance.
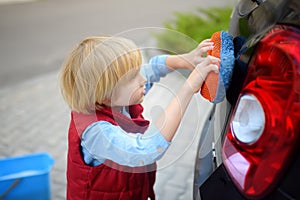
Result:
x=139 y=101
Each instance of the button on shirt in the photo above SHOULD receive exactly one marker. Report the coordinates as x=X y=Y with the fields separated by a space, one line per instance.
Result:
x=103 y=140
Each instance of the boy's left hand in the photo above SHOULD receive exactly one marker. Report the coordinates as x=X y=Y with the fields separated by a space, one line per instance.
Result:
x=197 y=55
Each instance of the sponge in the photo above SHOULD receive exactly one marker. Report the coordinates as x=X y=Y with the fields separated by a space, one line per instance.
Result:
x=215 y=85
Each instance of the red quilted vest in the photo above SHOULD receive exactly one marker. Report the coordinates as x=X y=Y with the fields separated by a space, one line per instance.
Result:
x=109 y=180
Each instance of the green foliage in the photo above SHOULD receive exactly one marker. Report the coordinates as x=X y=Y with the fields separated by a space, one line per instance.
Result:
x=188 y=29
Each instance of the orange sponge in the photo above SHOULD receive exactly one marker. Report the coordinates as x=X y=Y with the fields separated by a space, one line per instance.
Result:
x=210 y=85
x=215 y=85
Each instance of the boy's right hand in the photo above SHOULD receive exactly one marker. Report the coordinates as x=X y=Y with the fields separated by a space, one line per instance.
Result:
x=197 y=77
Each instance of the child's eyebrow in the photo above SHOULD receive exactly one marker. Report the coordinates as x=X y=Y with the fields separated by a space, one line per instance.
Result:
x=135 y=71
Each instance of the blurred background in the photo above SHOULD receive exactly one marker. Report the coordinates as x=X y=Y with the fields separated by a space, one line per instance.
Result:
x=36 y=37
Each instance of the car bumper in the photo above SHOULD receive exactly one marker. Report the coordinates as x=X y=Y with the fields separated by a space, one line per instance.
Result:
x=220 y=186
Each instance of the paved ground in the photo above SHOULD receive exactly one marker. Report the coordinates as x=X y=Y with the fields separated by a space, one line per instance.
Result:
x=34 y=119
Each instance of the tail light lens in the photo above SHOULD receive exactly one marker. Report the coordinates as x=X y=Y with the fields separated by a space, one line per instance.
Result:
x=263 y=134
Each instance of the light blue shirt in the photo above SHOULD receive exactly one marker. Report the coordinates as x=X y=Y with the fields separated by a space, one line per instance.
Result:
x=103 y=140
x=154 y=70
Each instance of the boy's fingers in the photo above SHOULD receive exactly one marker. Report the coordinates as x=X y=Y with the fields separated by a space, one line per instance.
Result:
x=213 y=59
x=205 y=42
x=210 y=60
x=209 y=64
x=214 y=68
x=202 y=45
x=205 y=49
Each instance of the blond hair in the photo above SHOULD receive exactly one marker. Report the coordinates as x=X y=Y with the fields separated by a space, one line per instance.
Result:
x=93 y=69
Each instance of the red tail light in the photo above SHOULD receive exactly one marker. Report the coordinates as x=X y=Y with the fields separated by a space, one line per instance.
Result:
x=264 y=129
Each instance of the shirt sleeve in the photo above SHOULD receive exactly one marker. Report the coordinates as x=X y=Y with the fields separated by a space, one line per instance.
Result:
x=155 y=70
x=102 y=140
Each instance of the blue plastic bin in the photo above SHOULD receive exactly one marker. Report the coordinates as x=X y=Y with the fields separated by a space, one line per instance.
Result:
x=26 y=177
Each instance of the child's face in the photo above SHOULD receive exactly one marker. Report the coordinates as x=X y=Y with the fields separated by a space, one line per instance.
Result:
x=129 y=90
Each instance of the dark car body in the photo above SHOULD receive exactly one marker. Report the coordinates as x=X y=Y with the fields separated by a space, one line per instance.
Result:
x=266 y=78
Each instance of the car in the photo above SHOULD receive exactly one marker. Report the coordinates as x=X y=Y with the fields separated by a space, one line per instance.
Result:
x=253 y=136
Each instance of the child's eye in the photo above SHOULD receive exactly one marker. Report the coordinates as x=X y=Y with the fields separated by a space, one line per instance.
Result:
x=134 y=74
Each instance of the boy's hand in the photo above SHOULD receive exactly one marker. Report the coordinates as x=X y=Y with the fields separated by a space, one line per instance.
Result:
x=198 y=55
x=207 y=65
